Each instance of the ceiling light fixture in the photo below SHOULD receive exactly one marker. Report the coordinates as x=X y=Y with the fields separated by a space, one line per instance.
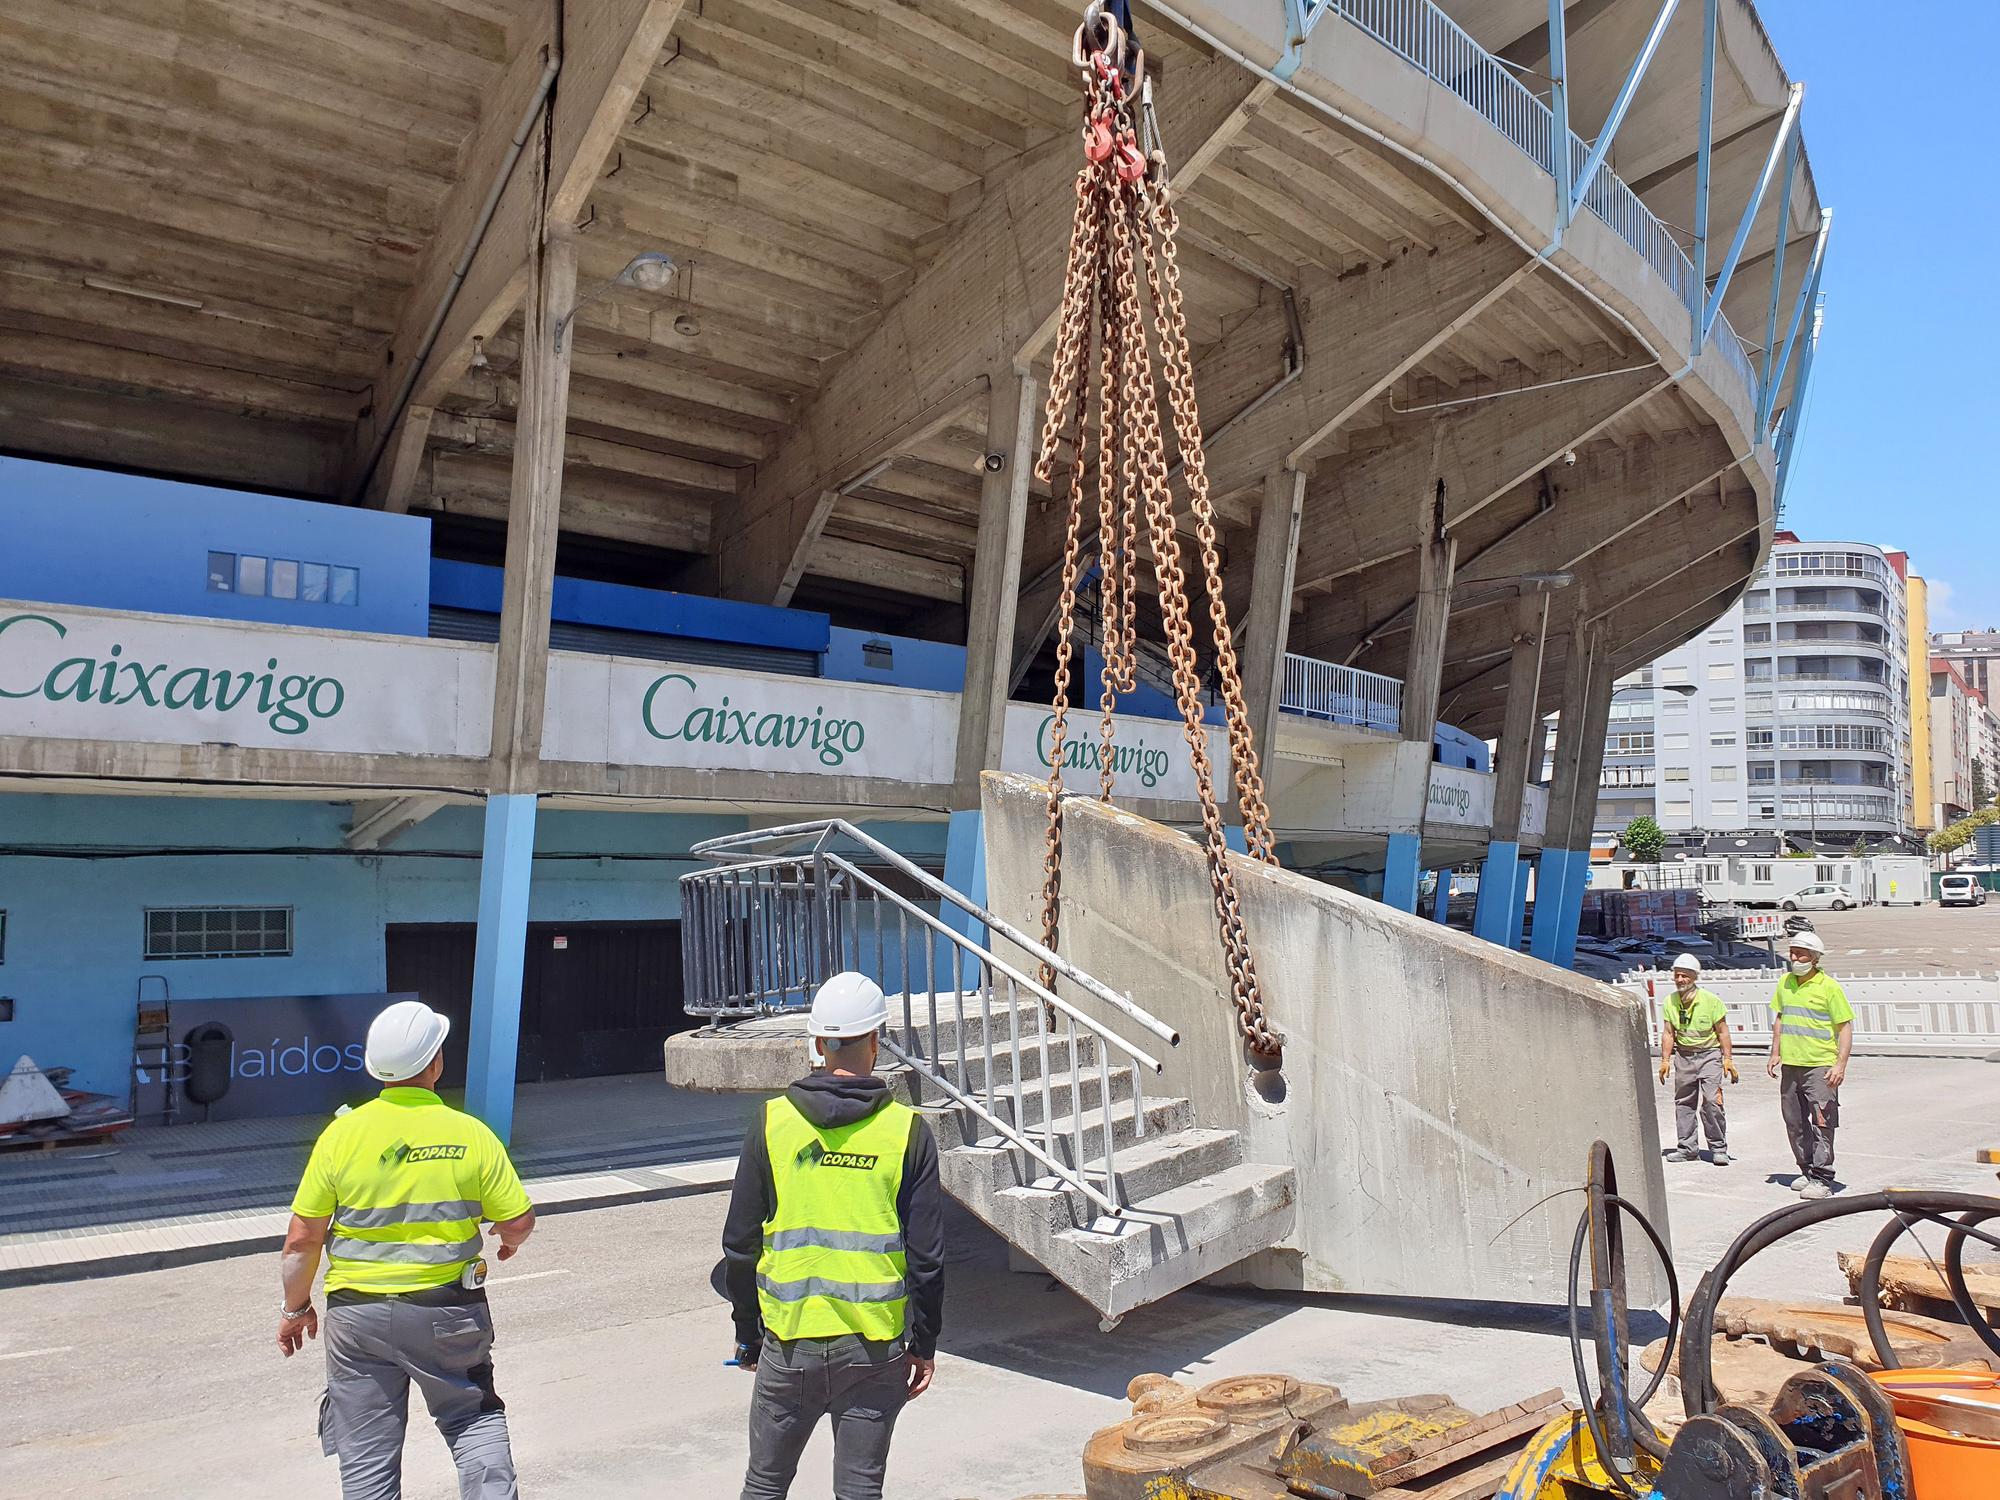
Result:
x=648 y=271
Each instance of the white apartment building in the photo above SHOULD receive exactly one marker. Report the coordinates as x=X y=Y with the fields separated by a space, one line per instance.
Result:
x=1791 y=713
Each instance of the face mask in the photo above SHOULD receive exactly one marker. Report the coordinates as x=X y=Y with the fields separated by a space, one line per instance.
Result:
x=1800 y=969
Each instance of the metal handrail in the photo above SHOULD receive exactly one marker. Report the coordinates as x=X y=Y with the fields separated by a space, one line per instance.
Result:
x=1440 y=48
x=765 y=924
x=1339 y=694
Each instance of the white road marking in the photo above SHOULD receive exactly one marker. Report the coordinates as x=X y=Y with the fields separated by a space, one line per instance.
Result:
x=525 y=1276
x=38 y=1353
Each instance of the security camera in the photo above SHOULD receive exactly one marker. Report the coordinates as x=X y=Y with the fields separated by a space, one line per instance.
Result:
x=995 y=462
x=1569 y=458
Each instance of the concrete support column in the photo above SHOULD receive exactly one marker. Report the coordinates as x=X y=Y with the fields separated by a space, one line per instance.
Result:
x=506 y=858
x=996 y=581
x=1400 y=873
x=1438 y=557
x=1553 y=871
x=1270 y=618
x=1583 y=808
x=1437 y=561
x=1441 y=897
x=520 y=680
x=1519 y=738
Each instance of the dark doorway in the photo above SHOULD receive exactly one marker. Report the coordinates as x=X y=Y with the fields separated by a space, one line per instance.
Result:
x=596 y=997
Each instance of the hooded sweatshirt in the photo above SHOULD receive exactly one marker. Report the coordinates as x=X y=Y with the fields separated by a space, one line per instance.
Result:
x=827 y=1100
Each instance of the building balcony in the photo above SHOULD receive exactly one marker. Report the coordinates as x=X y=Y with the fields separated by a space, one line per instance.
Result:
x=1334 y=694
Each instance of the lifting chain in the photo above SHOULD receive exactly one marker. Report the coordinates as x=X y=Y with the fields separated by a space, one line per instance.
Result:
x=1126 y=224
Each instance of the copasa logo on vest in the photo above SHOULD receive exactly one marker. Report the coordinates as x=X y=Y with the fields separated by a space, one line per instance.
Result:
x=814 y=1154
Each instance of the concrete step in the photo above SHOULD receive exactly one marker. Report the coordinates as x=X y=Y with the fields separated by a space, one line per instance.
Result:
x=1173 y=1239
x=1063 y=1090
x=1147 y=1168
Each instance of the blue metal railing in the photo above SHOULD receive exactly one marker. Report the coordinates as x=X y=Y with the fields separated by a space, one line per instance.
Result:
x=1431 y=41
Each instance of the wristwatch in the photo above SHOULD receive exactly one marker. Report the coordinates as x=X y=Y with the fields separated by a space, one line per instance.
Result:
x=292 y=1317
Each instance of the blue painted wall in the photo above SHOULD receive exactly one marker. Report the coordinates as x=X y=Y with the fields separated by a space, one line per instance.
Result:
x=74 y=949
x=115 y=541
x=1457 y=748
x=931 y=666
x=617 y=606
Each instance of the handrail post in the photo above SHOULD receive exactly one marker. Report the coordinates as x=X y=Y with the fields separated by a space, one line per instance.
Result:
x=1559 y=110
x=1703 y=163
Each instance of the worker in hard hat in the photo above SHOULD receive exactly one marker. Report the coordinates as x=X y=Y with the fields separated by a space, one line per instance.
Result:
x=402 y=1183
x=835 y=1255
x=1812 y=1032
x=1694 y=1043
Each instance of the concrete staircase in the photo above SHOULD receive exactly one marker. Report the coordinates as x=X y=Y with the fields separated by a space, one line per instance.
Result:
x=1192 y=1205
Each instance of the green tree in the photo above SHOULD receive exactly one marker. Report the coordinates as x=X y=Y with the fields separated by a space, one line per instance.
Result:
x=1982 y=792
x=1959 y=834
x=1860 y=849
x=1644 y=840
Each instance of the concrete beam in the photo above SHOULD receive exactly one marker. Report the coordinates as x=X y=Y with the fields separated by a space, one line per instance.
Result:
x=382 y=822
x=1486 y=450
x=996 y=580
x=981 y=303
x=1270 y=617
x=1362 y=332
x=521 y=661
x=609 y=46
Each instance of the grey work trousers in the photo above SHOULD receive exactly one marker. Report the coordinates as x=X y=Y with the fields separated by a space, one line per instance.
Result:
x=1812 y=1109
x=1698 y=1091
x=860 y=1384
x=374 y=1348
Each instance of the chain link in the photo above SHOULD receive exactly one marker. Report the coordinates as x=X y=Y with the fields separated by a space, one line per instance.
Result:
x=1124 y=223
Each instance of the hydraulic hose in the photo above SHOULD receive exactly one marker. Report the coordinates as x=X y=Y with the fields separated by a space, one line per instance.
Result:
x=1642 y=1429
x=1698 y=1393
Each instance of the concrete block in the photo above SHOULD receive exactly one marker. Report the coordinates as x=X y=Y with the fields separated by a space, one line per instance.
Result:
x=1435 y=1088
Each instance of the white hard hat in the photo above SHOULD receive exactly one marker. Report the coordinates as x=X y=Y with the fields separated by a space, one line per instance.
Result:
x=848 y=1005
x=1808 y=939
x=1689 y=962
x=403 y=1040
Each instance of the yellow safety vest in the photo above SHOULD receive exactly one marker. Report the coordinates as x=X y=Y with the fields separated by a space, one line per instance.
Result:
x=1812 y=1011
x=406 y=1179
x=833 y=1248
x=1694 y=1021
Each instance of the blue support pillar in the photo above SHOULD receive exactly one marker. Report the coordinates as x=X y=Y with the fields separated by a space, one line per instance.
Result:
x=964 y=872
x=1497 y=880
x=1550 y=871
x=1575 y=879
x=1517 y=924
x=505 y=863
x=1441 y=897
x=1704 y=154
x=1400 y=874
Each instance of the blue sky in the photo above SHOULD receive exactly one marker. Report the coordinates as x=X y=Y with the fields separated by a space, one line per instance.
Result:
x=1901 y=134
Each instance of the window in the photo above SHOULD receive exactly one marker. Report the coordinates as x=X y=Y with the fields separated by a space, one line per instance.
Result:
x=1721 y=637
x=344 y=587
x=1722 y=773
x=222 y=572
x=1722 y=671
x=1674 y=741
x=1722 y=739
x=1760 y=874
x=1676 y=704
x=1674 y=674
x=284 y=579
x=1722 y=705
x=1823 y=872
x=250 y=572
x=1724 y=807
x=1674 y=773
x=218 y=932
x=312 y=583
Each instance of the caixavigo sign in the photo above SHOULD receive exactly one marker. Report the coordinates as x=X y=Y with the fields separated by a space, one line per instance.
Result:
x=101 y=675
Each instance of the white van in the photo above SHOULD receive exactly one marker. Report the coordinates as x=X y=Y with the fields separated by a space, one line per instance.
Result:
x=1960 y=890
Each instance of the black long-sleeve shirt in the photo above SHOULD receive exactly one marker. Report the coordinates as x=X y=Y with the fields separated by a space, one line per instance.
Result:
x=829 y=1099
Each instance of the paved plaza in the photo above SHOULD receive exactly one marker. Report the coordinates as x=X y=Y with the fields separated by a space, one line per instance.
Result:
x=612 y=1338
